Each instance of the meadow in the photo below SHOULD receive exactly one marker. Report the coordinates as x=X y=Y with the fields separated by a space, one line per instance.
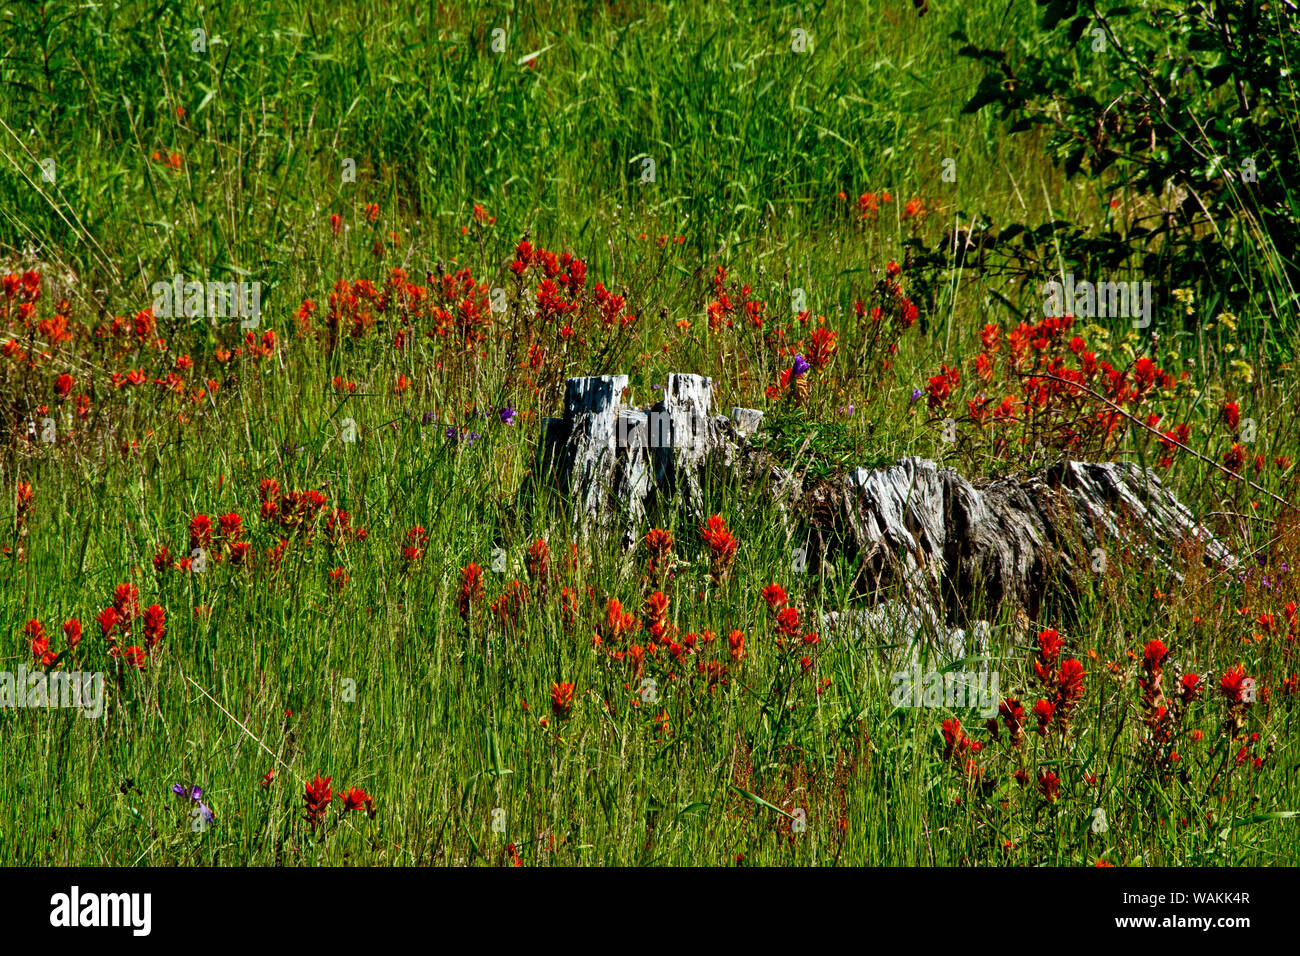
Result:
x=302 y=543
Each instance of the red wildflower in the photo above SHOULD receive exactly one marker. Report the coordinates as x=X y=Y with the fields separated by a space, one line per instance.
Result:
x=1233 y=684
x=538 y=561
x=134 y=656
x=787 y=622
x=656 y=613
x=39 y=643
x=471 y=588
x=617 y=621
x=722 y=545
x=1069 y=686
x=821 y=347
x=1049 y=785
x=108 y=621
x=155 y=624
x=126 y=601
x=200 y=532
x=1234 y=458
x=775 y=596
x=417 y=540
x=1153 y=657
x=357 y=799
x=660 y=545
x=562 y=699
x=317 y=798
x=955 y=742
x=1012 y=713
x=1043 y=711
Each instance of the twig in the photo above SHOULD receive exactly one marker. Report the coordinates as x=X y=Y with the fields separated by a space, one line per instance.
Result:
x=274 y=755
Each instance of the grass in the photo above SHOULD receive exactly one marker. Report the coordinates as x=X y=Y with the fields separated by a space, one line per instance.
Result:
x=382 y=684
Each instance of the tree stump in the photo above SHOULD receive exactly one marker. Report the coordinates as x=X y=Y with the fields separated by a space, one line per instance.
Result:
x=614 y=464
x=928 y=535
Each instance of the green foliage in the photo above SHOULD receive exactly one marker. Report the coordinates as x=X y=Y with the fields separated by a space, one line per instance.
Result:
x=816 y=449
x=1183 y=112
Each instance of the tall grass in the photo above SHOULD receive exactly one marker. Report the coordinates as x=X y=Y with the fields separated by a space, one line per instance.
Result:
x=382 y=684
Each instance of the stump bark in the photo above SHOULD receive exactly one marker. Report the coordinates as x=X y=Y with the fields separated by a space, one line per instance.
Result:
x=929 y=535
x=614 y=464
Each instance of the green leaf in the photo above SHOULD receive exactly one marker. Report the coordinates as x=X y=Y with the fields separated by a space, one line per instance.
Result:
x=760 y=801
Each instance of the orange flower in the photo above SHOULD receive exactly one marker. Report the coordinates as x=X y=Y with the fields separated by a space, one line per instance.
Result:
x=562 y=699
x=775 y=596
x=617 y=621
x=471 y=588
x=1233 y=684
x=821 y=347
x=660 y=545
x=356 y=799
x=317 y=797
x=24 y=498
x=722 y=546
x=656 y=613
x=787 y=622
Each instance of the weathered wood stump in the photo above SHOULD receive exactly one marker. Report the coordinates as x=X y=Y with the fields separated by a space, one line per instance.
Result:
x=615 y=463
x=930 y=536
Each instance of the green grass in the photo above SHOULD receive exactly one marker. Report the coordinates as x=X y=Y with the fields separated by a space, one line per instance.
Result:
x=382 y=685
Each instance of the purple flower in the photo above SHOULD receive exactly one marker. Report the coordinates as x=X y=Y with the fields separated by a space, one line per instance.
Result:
x=429 y=418
x=194 y=795
x=508 y=416
x=800 y=366
x=462 y=435
x=916 y=395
